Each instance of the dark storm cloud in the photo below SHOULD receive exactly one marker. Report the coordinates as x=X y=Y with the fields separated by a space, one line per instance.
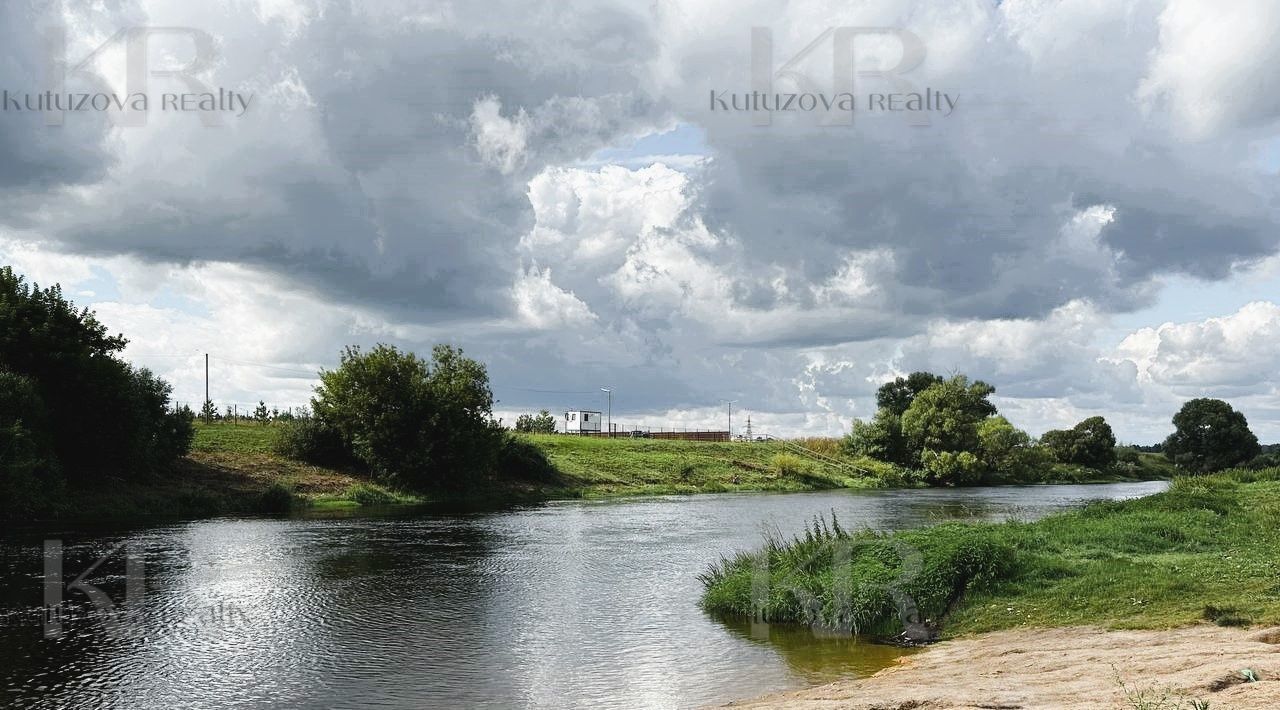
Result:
x=356 y=174
x=35 y=156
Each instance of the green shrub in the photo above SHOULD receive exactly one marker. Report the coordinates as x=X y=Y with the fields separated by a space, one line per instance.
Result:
x=789 y=464
x=278 y=499
x=365 y=494
x=313 y=442
x=950 y=467
x=422 y=424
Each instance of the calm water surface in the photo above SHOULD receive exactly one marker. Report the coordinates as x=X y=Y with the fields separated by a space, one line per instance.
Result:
x=570 y=604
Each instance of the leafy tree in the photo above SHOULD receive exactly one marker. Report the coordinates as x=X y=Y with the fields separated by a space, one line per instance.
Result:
x=1090 y=443
x=544 y=423
x=261 y=414
x=423 y=424
x=28 y=464
x=950 y=468
x=1209 y=436
x=945 y=416
x=102 y=416
x=881 y=438
x=1008 y=452
x=897 y=395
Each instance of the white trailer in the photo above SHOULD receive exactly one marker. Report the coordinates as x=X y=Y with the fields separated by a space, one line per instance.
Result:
x=582 y=421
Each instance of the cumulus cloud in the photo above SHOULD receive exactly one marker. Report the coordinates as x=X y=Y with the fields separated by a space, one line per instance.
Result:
x=418 y=173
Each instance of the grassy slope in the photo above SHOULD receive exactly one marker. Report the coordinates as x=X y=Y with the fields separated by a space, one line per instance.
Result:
x=598 y=467
x=229 y=470
x=1207 y=548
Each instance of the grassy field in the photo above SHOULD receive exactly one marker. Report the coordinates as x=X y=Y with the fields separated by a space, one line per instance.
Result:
x=602 y=467
x=1207 y=549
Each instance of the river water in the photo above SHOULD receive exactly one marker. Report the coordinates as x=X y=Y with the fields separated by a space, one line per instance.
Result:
x=565 y=604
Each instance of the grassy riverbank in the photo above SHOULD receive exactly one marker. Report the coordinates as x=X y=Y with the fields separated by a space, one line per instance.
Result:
x=1204 y=550
x=234 y=468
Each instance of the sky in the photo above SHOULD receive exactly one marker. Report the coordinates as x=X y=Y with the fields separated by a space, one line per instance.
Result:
x=555 y=189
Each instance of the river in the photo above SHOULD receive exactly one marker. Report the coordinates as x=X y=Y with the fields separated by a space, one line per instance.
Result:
x=564 y=604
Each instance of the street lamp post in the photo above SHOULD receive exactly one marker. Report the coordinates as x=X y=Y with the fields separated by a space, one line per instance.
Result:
x=609 y=391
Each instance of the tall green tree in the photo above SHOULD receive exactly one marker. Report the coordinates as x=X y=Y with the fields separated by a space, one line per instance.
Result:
x=945 y=416
x=881 y=438
x=103 y=417
x=897 y=395
x=1209 y=436
x=1008 y=453
x=1090 y=443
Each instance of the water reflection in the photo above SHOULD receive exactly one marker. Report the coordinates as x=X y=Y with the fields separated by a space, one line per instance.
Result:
x=820 y=657
x=570 y=604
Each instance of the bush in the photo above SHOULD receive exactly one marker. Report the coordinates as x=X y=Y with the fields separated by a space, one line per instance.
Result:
x=789 y=465
x=278 y=499
x=881 y=438
x=420 y=424
x=313 y=442
x=887 y=474
x=950 y=468
x=543 y=423
x=365 y=494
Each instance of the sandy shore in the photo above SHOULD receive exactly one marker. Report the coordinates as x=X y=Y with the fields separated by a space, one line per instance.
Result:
x=1064 y=669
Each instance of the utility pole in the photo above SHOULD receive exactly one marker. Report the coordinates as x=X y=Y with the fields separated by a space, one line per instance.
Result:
x=206 y=389
x=749 y=427
x=729 y=403
x=609 y=391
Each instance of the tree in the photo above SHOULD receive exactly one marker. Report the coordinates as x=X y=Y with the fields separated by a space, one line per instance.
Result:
x=28 y=464
x=208 y=411
x=1090 y=443
x=544 y=423
x=261 y=414
x=426 y=425
x=950 y=468
x=880 y=439
x=945 y=416
x=101 y=415
x=1006 y=451
x=897 y=395
x=1209 y=436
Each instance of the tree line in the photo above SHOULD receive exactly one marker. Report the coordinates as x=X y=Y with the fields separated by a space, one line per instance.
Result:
x=949 y=432
x=71 y=410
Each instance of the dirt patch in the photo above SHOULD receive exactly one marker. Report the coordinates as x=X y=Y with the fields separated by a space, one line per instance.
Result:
x=1064 y=669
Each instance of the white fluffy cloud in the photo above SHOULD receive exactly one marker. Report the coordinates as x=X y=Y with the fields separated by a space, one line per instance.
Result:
x=417 y=174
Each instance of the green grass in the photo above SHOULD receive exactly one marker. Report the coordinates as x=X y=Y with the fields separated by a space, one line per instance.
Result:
x=1207 y=549
x=624 y=466
x=235 y=438
x=232 y=469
